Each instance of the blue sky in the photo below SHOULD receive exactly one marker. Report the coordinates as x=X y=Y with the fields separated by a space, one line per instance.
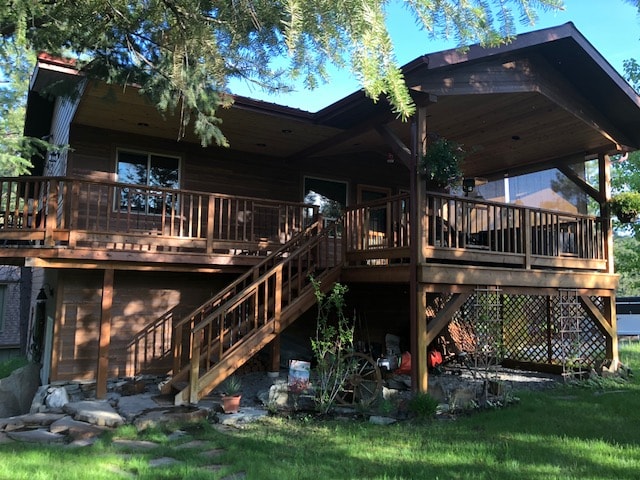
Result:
x=612 y=27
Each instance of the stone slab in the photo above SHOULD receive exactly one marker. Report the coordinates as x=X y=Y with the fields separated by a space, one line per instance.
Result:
x=132 y=406
x=246 y=415
x=75 y=429
x=135 y=444
x=41 y=419
x=163 y=462
x=170 y=416
x=380 y=420
x=37 y=436
x=96 y=412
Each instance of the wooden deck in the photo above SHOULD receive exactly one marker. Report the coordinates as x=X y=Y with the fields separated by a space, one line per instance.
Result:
x=460 y=230
x=57 y=220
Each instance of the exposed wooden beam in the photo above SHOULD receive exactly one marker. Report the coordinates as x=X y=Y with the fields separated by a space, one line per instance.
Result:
x=104 y=339
x=580 y=183
x=132 y=266
x=594 y=312
x=341 y=137
x=400 y=150
x=604 y=168
x=444 y=316
x=556 y=88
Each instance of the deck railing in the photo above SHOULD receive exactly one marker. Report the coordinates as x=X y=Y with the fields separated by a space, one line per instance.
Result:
x=64 y=211
x=475 y=231
x=58 y=211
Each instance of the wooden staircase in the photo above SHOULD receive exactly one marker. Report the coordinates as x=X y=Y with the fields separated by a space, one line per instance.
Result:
x=223 y=333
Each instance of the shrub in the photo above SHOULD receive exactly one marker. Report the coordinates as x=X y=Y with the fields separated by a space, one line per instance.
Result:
x=423 y=405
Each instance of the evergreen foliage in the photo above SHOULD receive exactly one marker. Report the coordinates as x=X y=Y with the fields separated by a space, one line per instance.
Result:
x=182 y=53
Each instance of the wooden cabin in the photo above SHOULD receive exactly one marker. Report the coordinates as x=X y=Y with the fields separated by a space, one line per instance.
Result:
x=166 y=257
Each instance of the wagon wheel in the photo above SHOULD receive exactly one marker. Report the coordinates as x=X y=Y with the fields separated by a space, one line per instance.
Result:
x=363 y=385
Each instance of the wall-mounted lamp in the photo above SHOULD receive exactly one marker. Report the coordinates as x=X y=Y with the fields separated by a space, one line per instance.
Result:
x=54 y=155
x=39 y=323
x=468 y=184
x=42 y=295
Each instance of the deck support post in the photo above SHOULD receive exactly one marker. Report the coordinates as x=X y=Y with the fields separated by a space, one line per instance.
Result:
x=612 y=340
x=275 y=354
x=604 y=165
x=417 y=307
x=105 y=333
x=422 y=343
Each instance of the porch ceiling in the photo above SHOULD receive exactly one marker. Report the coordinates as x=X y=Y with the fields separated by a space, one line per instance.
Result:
x=501 y=131
x=548 y=98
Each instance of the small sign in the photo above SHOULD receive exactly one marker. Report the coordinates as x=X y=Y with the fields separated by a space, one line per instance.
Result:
x=298 y=375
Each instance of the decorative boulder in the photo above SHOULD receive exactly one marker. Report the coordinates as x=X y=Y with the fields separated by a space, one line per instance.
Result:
x=18 y=389
x=56 y=398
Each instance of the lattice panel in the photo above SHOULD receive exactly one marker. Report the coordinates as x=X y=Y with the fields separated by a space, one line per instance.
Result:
x=525 y=328
x=531 y=330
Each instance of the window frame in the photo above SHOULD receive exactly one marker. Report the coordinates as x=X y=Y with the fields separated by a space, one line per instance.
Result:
x=149 y=156
x=326 y=220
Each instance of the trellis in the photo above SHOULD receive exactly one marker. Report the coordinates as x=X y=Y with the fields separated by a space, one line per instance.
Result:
x=531 y=330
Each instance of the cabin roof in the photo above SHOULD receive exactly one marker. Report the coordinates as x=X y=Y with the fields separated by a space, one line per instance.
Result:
x=546 y=98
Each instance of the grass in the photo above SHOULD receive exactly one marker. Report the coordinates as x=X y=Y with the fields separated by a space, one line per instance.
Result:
x=571 y=432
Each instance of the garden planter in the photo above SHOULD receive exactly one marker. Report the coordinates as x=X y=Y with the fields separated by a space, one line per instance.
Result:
x=231 y=403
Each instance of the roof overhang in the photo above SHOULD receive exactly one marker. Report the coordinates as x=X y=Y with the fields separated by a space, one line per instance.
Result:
x=546 y=98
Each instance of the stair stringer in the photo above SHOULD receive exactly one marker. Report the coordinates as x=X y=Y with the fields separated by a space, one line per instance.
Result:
x=259 y=339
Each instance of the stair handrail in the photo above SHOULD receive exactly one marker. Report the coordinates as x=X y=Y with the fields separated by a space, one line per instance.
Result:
x=248 y=274
x=227 y=293
x=207 y=339
x=251 y=286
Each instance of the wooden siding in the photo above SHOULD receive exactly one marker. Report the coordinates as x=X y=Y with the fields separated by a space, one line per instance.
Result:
x=230 y=172
x=144 y=308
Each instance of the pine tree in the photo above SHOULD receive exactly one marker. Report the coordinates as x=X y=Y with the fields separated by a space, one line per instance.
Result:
x=183 y=52
x=16 y=63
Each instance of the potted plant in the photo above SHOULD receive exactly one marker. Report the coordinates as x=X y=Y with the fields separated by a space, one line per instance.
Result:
x=231 y=394
x=626 y=206
x=441 y=164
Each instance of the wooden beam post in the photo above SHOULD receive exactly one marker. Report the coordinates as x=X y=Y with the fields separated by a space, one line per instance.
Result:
x=606 y=322
x=417 y=306
x=604 y=165
x=612 y=340
x=277 y=327
x=275 y=355
x=420 y=359
x=105 y=333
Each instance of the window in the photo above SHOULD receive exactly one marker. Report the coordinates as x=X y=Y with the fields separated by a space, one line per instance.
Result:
x=329 y=195
x=147 y=170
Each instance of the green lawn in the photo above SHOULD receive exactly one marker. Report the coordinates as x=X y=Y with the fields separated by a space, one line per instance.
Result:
x=586 y=432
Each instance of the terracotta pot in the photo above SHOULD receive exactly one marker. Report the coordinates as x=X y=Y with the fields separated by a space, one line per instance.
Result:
x=231 y=403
